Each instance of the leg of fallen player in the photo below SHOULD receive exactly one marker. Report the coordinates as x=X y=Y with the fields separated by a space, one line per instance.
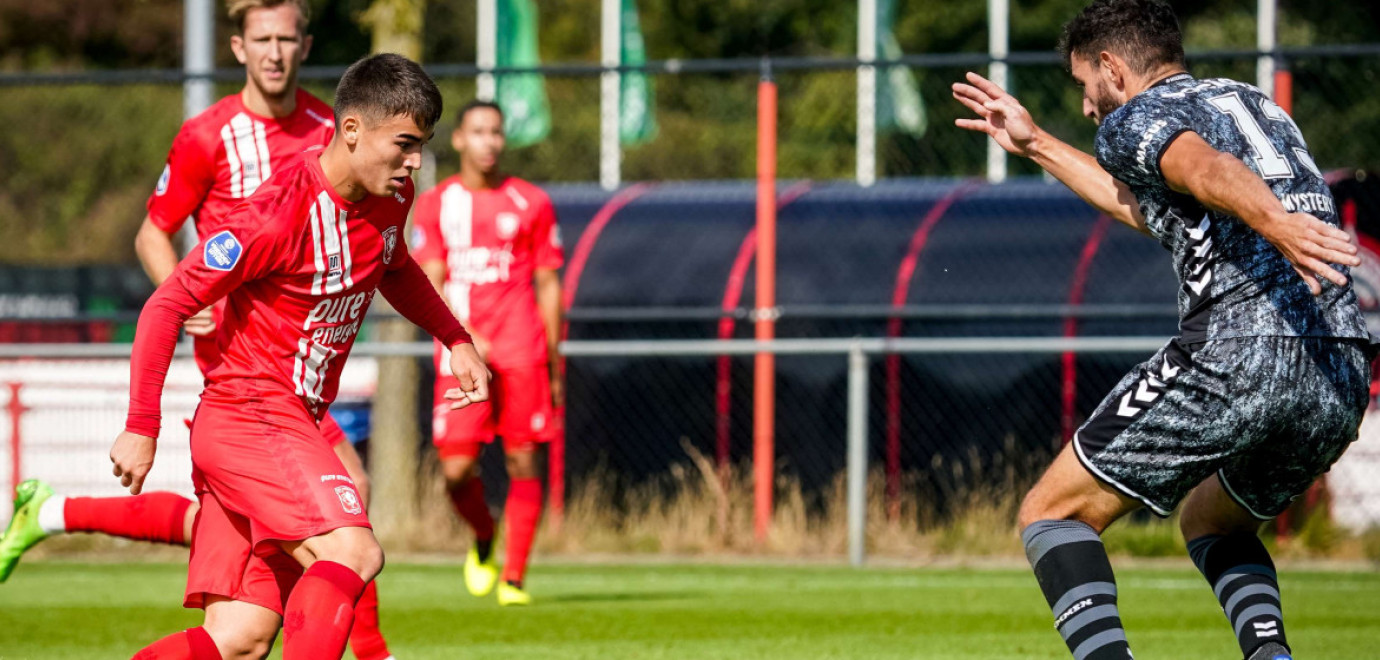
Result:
x=1061 y=520
x=160 y=517
x=1223 y=542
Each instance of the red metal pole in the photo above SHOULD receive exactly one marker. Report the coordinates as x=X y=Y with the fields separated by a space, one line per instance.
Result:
x=764 y=375
x=16 y=411
x=899 y=294
x=1069 y=396
x=1284 y=90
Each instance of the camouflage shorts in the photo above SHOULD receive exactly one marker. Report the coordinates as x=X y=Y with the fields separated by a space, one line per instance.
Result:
x=1267 y=414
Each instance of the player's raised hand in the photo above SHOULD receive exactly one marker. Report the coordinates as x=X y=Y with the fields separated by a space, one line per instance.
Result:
x=132 y=455
x=202 y=324
x=473 y=375
x=1311 y=246
x=1000 y=115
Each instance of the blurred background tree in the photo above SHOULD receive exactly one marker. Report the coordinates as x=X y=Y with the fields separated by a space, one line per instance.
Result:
x=77 y=162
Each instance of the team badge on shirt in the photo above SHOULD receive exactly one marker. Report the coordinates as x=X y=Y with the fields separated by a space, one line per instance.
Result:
x=222 y=251
x=390 y=241
x=349 y=500
x=508 y=224
x=163 y=181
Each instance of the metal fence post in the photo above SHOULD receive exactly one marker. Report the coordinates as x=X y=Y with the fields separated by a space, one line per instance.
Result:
x=16 y=411
x=857 y=455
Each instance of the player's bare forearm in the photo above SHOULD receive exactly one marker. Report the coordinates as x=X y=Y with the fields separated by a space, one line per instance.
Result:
x=435 y=270
x=1223 y=183
x=156 y=252
x=547 y=283
x=1080 y=171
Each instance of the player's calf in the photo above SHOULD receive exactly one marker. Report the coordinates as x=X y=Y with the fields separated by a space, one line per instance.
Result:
x=240 y=630
x=1223 y=543
x=1061 y=519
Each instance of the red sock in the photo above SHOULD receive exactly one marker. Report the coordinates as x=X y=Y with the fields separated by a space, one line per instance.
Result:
x=192 y=644
x=469 y=504
x=320 y=612
x=158 y=516
x=522 y=511
x=365 y=638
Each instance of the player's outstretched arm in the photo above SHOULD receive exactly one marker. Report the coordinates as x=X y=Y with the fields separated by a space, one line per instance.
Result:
x=1002 y=117
x=155 y=340
x=1221 y=182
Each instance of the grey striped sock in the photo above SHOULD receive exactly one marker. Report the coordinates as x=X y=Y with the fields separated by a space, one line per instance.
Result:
x=1243 y=578
x=1073 y=571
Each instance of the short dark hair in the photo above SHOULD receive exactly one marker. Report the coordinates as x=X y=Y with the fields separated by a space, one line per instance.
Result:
x=475 y=104
x=387 y=85
x=1145 y=33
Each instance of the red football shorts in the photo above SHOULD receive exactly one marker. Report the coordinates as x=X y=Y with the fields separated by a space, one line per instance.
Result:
x=518 y=410
x=263 y=473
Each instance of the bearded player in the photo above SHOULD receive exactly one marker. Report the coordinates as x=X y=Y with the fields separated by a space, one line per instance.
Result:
x=219 y=158
x=282 y=536
x=489 y=242
x=1266 y=383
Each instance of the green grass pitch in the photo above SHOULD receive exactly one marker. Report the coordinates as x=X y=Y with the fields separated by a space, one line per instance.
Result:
x=70 y=611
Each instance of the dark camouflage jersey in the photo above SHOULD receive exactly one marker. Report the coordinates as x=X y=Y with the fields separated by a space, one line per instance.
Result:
x=1232 y=282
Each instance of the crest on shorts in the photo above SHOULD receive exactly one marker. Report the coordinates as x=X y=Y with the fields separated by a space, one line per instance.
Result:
x=222 y=252
x=390 y=241
x=349 y=500
x=508 y=224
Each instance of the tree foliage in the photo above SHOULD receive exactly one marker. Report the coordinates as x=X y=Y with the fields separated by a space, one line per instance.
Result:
x=78 y=161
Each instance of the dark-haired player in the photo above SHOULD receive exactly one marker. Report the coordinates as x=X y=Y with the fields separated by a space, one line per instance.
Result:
x=1266 y=383
x=218 y=158
x=489 y=242
x=298 y=264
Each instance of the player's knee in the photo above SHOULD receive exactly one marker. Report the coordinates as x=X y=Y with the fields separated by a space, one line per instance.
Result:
x=245 y=642
x=457 y=472
x=1036 y=506
x=521 y=465
x=368 y=560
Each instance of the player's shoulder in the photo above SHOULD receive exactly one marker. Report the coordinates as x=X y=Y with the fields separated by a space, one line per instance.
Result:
x=314 y=108
x=440 y=189
x=525 y=193
x=204 y=128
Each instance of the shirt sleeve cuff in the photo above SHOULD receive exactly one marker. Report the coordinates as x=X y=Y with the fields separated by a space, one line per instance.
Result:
x=146 y=425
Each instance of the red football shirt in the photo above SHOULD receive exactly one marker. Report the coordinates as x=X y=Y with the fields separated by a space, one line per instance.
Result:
x=299 y=266
x=492 y=242
x=224 y=154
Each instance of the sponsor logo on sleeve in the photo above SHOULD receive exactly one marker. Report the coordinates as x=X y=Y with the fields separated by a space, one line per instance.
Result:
x=390 y=241
x=163 y=181
x=222 y=251
x=418 y=238
x=556 y=236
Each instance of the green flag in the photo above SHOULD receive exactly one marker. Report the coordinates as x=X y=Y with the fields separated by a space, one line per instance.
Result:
x=526 y=113
x=637 y=114
x=899 y=105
